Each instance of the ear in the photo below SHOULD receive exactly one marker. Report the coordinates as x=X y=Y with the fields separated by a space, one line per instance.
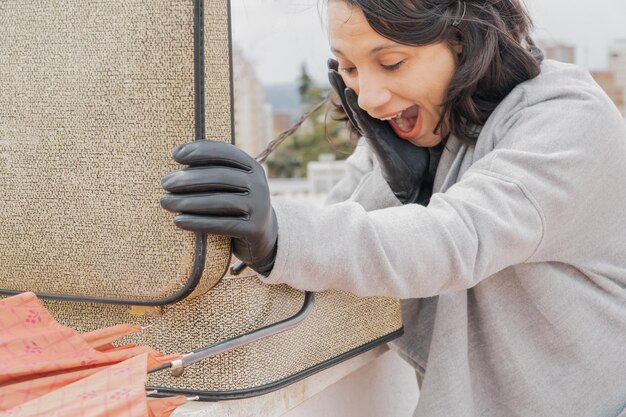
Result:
x=456 y=47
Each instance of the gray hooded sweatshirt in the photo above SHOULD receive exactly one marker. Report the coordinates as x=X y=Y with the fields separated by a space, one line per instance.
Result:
x=513 y=279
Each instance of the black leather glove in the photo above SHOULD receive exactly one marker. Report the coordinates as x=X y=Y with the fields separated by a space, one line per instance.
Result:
x=224 y=192
x=404 y=166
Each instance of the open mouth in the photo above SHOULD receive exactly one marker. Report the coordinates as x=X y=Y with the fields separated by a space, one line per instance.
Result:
x=407 y=124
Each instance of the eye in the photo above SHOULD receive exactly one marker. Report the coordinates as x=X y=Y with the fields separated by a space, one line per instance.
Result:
x=348 y=70
x=393 y=67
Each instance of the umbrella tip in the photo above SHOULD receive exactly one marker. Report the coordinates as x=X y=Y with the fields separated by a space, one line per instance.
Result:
x=195 y=398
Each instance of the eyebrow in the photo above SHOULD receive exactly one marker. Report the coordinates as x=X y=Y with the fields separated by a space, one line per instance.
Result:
x=372 y=52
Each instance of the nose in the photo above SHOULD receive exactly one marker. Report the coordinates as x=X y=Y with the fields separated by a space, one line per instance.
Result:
x=373 y=95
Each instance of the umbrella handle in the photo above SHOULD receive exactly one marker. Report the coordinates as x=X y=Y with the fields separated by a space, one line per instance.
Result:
x=178 y=366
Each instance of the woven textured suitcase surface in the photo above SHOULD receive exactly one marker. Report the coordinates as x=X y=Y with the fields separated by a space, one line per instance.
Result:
x=94 y=95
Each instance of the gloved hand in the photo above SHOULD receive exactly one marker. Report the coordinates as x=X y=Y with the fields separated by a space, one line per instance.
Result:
x=224 y=191
x=404 y=166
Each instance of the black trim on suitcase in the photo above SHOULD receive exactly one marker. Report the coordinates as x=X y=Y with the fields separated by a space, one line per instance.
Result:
x=198 y=66
x=265 y=389
x=231 y=75
x=196 y=274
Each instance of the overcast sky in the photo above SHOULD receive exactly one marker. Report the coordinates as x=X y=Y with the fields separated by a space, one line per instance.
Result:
x=278 y=35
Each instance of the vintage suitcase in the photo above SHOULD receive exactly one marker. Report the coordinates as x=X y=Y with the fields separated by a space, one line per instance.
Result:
x=94 y=95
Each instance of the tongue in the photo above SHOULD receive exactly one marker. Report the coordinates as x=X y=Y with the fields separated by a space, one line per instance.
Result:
x=406 y=122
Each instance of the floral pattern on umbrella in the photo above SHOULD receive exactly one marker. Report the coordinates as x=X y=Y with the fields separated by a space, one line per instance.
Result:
x=43 y=364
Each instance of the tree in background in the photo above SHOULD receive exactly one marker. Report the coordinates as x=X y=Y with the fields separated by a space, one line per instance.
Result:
x=319 y=134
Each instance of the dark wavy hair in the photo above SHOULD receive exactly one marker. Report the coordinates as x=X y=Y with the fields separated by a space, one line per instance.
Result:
x=498 y=52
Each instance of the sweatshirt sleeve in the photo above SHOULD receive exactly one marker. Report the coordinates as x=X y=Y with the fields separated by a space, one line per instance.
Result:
x=408 y=251
x=516 y=204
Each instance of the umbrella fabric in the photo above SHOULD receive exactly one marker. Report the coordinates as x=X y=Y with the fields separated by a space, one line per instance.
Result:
x=116 y=390
x=102 y=339
x=164 y=407
x=38 y=355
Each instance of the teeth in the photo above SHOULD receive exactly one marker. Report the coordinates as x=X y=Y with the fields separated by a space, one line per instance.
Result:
x=404 y=127
x=393 y=117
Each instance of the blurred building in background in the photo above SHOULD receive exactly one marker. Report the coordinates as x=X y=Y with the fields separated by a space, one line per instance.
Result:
x=612 y=79
x=256 y=125
x=322 y=175
x=617 y=67
x=559 y=51
x=606 y=80
x=253 y=115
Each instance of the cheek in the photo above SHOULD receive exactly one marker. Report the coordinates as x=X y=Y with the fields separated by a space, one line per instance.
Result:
x=436 y=82
x=353 y=83
x=438 y=88
x=445 y=77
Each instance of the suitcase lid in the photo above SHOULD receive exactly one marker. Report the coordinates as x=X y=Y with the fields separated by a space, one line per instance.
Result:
x=94 y=96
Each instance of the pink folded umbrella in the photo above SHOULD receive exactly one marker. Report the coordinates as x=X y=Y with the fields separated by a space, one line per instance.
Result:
x=43 y=363
x=115 y=390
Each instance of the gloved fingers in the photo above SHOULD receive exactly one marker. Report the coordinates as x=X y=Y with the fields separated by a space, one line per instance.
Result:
x=215 y=225
x=337 y=83
x=332 y=64
x=377 y=131
x=339 y=86
x=207 y=178
x=211 y=152
x=368 y=126
x=216 y=204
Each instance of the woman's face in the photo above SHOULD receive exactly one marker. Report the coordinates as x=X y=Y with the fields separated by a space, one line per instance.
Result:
x=407 y=83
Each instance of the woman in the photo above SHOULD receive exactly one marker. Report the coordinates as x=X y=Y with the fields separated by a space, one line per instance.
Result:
x=513 y=276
